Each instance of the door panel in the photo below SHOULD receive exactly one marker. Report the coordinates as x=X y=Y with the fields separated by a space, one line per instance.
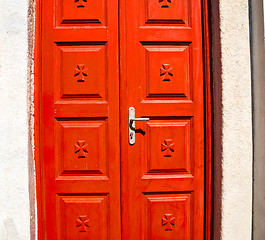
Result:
x=167 y=12
x=175 y=76
x=80 y=119
x=174 y=212
x=162 y=78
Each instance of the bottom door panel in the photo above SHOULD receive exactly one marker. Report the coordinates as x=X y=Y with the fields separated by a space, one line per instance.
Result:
x=83 y=216
x=167 y=216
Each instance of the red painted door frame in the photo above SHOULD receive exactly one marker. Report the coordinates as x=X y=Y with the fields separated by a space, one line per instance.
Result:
x=208 y=119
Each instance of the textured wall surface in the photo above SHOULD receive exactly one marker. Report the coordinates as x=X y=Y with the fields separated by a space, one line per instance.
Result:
x=14 y=141
x=233 y=126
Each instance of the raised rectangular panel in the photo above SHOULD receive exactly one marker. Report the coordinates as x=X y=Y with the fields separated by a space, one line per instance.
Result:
x=167 y=216
x=81 y=12
x=168 y=71
x=167 y=12
x=81 y=71
x=83 y=217
x=81 y=147
x=169 y=146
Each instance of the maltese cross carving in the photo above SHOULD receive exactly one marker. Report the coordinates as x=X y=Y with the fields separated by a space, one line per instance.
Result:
x=80 y=72
x=165 y=3
x=81 y=148
x=82 y=223
x=167 y=146
x=168 y=221
x=166 y=72
x=81 y=3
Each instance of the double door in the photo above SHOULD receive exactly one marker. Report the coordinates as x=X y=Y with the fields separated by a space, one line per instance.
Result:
x=102 y=176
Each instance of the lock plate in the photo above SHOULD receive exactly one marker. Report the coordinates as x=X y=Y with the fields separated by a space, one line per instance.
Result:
x=131 y=125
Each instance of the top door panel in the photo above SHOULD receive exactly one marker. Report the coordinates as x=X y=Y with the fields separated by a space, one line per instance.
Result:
x=167 y=12
x=81 y=12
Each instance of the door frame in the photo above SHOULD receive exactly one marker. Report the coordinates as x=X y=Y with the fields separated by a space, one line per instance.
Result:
x=208 y=115
x=206 y=27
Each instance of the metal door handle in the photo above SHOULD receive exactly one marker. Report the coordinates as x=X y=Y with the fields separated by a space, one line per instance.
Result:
x=139 y=119
x=131 y=124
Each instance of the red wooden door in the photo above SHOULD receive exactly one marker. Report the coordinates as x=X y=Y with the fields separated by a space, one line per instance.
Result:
x=80 y=119
x=162 y=78
x=98 y=58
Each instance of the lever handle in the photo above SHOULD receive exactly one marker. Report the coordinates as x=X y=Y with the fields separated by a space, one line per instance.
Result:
x=139 y=119
x=131 y=124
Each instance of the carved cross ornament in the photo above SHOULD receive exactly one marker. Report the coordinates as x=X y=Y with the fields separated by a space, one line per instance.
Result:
x=82 y=222
x=80 y=72
x=167 y=146
x=81 y=3
x=81 y=148
x=168 y=222
x=165 y=3
x=166 y=72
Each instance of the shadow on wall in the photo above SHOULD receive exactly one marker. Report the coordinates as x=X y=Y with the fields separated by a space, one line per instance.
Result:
x=11 y=231
x=31 y=163
x=258 y=97
x=216 y=119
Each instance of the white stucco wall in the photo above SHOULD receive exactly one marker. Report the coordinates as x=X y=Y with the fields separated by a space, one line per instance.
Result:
x=233 y=108
x=14 y=182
